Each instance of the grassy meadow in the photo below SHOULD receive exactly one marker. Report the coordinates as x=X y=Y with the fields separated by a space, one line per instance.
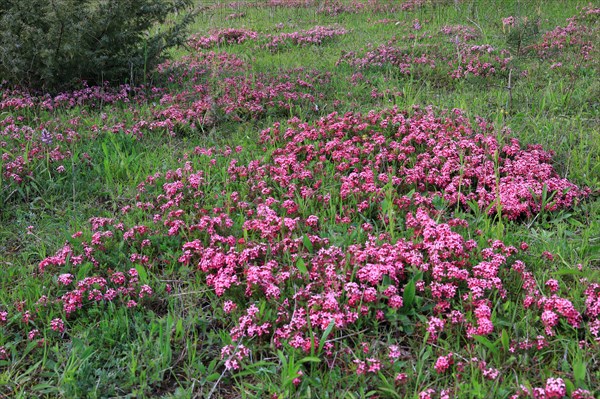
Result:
x=314 y=199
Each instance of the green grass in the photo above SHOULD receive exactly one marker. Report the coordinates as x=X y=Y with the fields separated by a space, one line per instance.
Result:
x=170 y=347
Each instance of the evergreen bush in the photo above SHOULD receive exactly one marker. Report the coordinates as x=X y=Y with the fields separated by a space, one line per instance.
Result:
x=54 y=44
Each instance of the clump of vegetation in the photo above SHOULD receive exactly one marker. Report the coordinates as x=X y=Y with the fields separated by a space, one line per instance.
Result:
x=55 y=44
x=520 y=31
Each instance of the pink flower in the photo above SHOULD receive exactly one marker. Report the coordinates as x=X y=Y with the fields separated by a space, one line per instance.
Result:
x=508 y=21
x=145 y=290
x=548 y=255
x=394 y=353
x=131 y=303
x=555 y=388
x=361 y=366
x=552 y=284
x=26 y=317
x=3 y=353
x=33 y=334
x=229 y=306
x=427 y=394
x=443 y=363
x=579 y=393
x=401 y=378
x=550 y=319
x=374 y=365
x=490 y=373
x=312 y=221
x=65 y=279
x=234 y=356
x=57 y=325
x=296 y=381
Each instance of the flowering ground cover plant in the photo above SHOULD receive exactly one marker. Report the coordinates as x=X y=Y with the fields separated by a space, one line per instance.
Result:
x=458 y=57
x=315 y=36
x=222 y=36
x=211 y=88
x=390 y=199
x=335 y=7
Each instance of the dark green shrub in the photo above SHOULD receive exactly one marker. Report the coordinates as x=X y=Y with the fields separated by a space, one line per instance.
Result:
x=52 y=44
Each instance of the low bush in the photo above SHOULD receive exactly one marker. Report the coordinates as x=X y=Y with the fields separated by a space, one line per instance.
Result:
x=51 y=45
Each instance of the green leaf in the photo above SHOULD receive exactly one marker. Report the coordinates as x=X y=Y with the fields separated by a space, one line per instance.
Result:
x=213 y=364
x=569 y=385
x=505 y=340
x=408 y=297
x=142 y=273
x=391 y=392
x=325 y=335
x=387 y=281
x=385 y=205
x=310 y=359
x=282 y=358
x=301 y=266
x=487 y=343
x=579 y=371
x=179 y=329
x=307 y=243
x=44 y=388
x=561 y=272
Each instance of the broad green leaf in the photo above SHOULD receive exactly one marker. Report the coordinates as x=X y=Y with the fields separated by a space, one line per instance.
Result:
x=307 y=243
x=387 y=281
x=391 y=392
x=505 y=340
x=579 y=371
x=310 y=359
x=408 y=296
x=44 y=388
x=487 y=343
x=142 y=273
x=326 y=334
x=569 y=385
x=301 y=266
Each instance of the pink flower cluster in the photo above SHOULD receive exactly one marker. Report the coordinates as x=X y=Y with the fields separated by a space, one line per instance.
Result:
x=443 y=363
x=315 y=36
x=577 y=36
x=25 y=147
x=386 y=55
x=285 y=3
x=555 y=388
x=336 y=7
x=237 y=97
x=87 y=96
x=458 y=59
x=445 y=156
x=508 y=21
x=221 y=37
x=254 y=238
x=234 y=356
x=460 y=33
x=232 y=92
x=211 y=87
